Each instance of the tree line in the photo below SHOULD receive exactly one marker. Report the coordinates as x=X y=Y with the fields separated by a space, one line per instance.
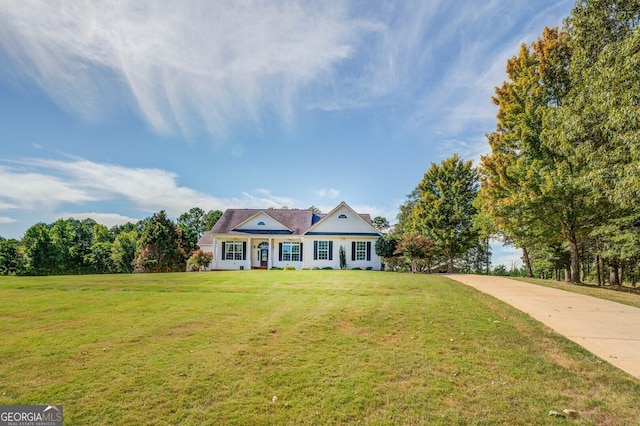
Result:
x=562 y=180
x=561 y=183
x=71 y=246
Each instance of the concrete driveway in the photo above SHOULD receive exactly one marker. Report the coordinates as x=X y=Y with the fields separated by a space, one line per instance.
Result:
x=610 y=330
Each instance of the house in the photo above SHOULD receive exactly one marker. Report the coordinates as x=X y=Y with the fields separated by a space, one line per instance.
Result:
x=254 y=239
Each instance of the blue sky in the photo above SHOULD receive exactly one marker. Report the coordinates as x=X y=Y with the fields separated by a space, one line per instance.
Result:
x=117 y=109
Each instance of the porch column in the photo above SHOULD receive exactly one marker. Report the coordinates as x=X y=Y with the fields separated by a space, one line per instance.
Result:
x=270 y=252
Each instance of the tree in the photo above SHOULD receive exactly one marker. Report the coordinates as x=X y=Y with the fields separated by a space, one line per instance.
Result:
x=101 y=234
x=386 y=248
x=161 y=246
x=442 y=208
x=200 y=259
x=531 y=183
x=39 y=249
x=599 y=124
x=211 y=218
x=343 y=258
x=123 y=251
x=189 y=238
x=12 y=259
x=380 y=223
x=194 y=219
x=417 y=248
x=99 y=260
x=72 y=240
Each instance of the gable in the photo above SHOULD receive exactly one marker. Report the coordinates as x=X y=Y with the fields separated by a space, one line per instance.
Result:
x=276 y=221
x=343 y=221
x=262 y=223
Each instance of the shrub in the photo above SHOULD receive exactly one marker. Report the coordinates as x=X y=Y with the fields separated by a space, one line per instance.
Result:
x=199 y=260
x=289 y=268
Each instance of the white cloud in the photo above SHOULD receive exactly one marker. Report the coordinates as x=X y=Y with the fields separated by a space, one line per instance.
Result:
x=327 y=193
x=44 y=183
x=106 y=219
x=184 y=65
x=27 y=189
x=150 y=190
x=3 y=205
x=264 y=199
x=4 y=219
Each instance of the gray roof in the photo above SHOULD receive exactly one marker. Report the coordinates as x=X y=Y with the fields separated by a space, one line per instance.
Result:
x=206 y=239
x=298 y=221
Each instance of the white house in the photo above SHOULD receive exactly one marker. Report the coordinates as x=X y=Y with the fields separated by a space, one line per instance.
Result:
x=253 y=238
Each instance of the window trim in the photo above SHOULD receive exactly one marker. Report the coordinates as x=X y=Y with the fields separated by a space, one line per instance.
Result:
x=316 y=251
x=361 y=250
x=290 y=251
x=234 y=250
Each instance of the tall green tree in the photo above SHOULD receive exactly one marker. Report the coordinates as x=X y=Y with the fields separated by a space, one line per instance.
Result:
x=442 y=207
x=40 y=250
x=99 y=259
x=161 y=246
x=381 y=223
x=600 y=122
x=531 y=184
x=194 y=223
x=212 y=217
x=72 y=240
x=123 y=251
x=12 y=258
x=386 y=248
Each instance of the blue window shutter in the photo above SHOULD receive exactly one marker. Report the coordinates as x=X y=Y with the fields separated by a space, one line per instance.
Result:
x=280 y=252
x=368 y=250
x=315 y=250
x=224 y=253
x=300 y=252
x=353 y=250
x=244 y=250
x=330 y=250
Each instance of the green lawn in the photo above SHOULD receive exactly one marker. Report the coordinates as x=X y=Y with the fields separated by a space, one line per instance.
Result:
x=292 y=347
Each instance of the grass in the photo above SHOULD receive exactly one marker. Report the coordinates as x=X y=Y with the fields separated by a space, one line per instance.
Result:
x=293 y=347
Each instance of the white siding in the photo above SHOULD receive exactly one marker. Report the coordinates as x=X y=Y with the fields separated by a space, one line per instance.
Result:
x=346 y=242
x=343 y=220
x=219 y=263
x=269 y=223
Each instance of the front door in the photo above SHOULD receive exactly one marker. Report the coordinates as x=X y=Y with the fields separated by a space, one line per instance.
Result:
x=264 y=258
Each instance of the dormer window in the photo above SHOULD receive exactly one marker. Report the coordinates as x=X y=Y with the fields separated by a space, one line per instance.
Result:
x=342 y=216
x=261 y=223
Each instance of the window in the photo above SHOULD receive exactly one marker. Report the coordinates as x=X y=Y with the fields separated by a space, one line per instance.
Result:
x=261 y=223
x=361 y=250
x=290 y=252
x=342 y=216
x=234 y=250
x=323 y=250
